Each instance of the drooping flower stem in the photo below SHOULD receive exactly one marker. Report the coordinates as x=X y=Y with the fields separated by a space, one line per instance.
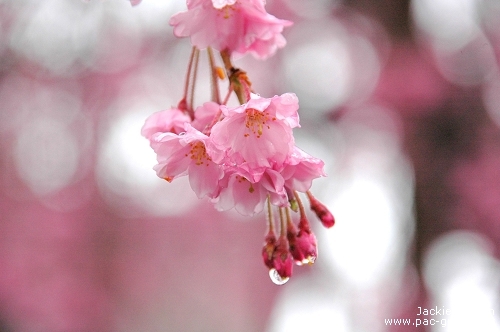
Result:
x=299 y=202
x=283 y=260
x=291 y=234
x=226 y=98
x=291 y=229
x=270 y=240
x=183 y=105
x=303 y=223
x=226 y=59
x=193 y=83
x=238 y=79
x=287 y=214
x=270 y=219
x=213 y=76
x=282 y=222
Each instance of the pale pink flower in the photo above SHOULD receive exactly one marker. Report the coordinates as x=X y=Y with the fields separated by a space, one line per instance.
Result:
x=238 y=26
x=301 y=169
x=258 y=133
x=237 y=190
x=171 y=120
x=204 y=115
x=186 y=154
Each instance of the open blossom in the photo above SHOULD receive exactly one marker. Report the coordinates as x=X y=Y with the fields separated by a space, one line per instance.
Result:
x=258 y=133
x=186 y=154
x=301 y=169
x=239 y=191
x=238 y=26
x=171 y=120
x=204 y=115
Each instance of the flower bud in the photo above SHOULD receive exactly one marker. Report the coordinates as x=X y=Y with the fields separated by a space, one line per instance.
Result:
x=324 y=215
x=282 y=259
x=303 y=246
x=268 y=249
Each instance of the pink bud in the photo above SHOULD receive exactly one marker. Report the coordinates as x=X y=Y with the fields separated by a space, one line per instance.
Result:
x=303 y=245
x=268 y=249
x=306 y=247
x=283 y=260
x=324 y=215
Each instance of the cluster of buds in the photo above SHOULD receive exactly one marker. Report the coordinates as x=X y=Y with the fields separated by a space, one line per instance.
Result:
x=295 y=244
x=243 y=156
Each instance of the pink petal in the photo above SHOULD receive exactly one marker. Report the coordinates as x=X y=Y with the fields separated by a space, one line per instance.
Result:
x=204 y=178
x=170 y=120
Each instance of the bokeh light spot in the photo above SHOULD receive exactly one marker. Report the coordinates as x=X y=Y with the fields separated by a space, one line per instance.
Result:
x=320 y=71
x=46 y=154
x=452 y=23
x=464 y=277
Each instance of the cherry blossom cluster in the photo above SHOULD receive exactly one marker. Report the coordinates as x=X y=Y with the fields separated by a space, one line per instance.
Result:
x=243 y=156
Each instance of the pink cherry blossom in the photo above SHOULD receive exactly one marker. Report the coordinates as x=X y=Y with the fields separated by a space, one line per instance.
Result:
x=186 y=154
x=204 y=115
x=171 y=120
x=301 y=169
x=237 y=190
x=238 y=26
x=258 y=133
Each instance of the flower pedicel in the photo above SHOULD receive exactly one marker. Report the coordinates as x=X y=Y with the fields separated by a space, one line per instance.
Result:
x=241 y=157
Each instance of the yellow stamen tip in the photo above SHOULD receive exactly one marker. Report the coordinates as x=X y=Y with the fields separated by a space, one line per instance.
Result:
x=220 y=73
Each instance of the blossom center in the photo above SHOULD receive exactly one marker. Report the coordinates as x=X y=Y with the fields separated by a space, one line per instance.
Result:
x=256 y=121
x=198 y=153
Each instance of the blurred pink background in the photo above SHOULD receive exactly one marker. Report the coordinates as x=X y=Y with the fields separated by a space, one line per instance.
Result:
x=401 y=99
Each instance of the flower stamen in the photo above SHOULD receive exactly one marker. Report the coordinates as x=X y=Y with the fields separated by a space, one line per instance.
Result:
x=198 y=153
x=256 y=121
